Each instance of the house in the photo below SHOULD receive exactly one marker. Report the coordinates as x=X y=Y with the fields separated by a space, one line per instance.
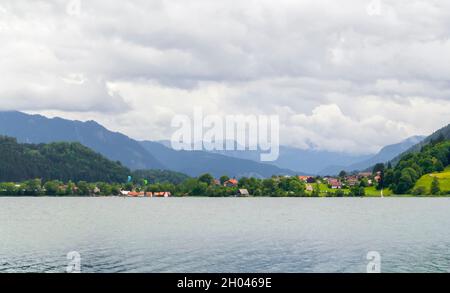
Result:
x=307 y=179
x=231 y=183
x=243 y=193
x=125 y=192
x=364 y=174
x=352 y=181
x=136 y=194
x=162 y=194
x=97 y=190
x=149 y=194
x=309 y=188
x=378 y=177
x=335 y=183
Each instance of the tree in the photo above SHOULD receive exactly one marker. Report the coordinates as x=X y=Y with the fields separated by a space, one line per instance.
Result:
x=435 y=186
x=224 y=179
x=206 y=178
x=339 y=193
x=364 y=182
x=296 y=187
x=357 y=191
x=405 y=183
x=105 y=188
x=243 y=182
x=83 y=188
x=388 y=177
x=378 y=168
x=200 y=189
x=70 y=189
x=33 y=187
x=269 y=186
x=438 y=166
x=316 y=191
x=8 y=188
x=52 y=187
x=342 y=174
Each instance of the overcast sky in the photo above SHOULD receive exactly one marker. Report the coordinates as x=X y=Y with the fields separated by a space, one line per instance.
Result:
x=349 y=75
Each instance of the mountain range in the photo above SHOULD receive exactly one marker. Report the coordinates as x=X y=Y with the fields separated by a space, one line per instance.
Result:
x=131 y=153
x=383 y=156
x=195 y=163
x=113 y=145
x=318 y=162
x=159 y=155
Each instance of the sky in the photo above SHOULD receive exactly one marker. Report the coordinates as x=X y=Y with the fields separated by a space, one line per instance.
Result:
x=350 y=75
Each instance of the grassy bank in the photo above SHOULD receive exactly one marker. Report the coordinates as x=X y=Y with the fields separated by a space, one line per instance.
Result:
x=443 y=177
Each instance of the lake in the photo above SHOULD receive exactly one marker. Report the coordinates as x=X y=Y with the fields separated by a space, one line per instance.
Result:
x=224 y=234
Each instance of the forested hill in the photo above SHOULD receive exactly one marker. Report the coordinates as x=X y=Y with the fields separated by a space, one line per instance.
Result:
x=60 y=161
x=433 y=157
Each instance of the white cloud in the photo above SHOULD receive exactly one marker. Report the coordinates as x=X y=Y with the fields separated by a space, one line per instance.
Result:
x=344 y=75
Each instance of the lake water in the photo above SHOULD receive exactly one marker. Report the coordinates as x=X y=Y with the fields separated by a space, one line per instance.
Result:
x=225 y=234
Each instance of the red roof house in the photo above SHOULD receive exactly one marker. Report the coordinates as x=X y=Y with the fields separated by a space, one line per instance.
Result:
x=231 y=183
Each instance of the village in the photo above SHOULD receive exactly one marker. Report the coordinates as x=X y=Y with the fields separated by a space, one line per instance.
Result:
x=327 y=183
x=146 y=194
x=207 y=185
x=363 y=179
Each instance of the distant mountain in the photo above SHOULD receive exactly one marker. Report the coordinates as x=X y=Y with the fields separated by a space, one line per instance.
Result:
x=383 y=156
x=444 y=132
x=387 y=153
x=159 y=155
x=314 y=161
x=310 y=162
x=118 y=147
x=115 y=146
x=56 y=161
x=317 y=162
x=195 y=163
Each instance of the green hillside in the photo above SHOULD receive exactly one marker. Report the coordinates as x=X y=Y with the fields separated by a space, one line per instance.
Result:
x=424 y=183
x=59 y=161
x=421 y=168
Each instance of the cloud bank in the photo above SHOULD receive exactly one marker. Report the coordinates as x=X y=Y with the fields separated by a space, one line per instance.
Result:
x=347 y=75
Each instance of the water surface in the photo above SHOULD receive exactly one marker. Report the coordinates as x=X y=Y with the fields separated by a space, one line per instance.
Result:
x=224 y=234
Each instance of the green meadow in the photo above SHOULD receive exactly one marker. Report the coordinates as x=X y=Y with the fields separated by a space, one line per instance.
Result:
x=443 y=177
x=370 y=191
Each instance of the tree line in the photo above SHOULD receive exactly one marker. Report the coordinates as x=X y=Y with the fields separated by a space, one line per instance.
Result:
x=204 y=185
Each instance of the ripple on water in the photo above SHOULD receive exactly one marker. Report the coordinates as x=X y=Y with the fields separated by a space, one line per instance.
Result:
x=224 y=235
